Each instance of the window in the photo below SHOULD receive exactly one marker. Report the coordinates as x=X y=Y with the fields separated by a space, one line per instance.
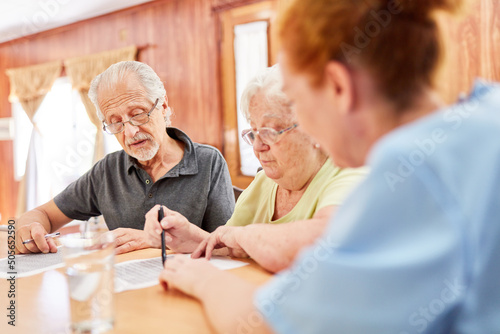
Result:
x=22 y=129
x=247 y=47
x=62 y=146
x=250 y=56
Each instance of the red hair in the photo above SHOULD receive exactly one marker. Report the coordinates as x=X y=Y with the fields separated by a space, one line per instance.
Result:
x=398 y=41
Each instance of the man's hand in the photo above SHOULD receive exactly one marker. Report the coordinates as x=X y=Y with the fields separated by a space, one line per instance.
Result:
x=39 y=244
x=180 y=235
x=129 y=239
x=223 y=236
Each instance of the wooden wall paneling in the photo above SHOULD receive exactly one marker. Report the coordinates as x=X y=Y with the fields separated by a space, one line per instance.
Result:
x=495 y=38
x=472 y=48
x=490 y=34
x=222 y=5
x=283 y=4
x=462 y=53
x=192 y=88
x=486 y=19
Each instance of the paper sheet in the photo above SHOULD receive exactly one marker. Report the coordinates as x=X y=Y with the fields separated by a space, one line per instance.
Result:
x=31 y=264
x=129 y=275
x=138 y=274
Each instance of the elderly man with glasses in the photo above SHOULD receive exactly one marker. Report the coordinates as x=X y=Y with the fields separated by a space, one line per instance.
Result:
x=159 y=164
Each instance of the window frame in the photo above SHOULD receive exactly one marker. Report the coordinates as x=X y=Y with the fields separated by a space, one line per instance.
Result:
x=261 y=11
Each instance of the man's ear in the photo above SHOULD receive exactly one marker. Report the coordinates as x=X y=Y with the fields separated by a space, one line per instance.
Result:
x=339 y=79
x=165 y=106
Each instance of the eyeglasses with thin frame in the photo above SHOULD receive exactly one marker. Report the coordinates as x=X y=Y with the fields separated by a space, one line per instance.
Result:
x=137 y=120
x=269 y=136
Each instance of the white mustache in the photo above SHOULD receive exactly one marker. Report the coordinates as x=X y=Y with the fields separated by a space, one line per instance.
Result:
x=138 y=137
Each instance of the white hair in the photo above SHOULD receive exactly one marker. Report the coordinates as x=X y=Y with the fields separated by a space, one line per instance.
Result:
x=270 y=83
x=118 y=72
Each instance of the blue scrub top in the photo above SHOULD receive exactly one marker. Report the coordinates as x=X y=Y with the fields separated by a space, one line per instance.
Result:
x=416 y=246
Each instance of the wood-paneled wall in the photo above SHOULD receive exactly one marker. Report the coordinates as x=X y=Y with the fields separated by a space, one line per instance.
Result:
x=184 y=51
x=472 y=45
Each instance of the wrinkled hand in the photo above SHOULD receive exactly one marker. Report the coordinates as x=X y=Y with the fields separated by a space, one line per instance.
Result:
x=223 y=236
x=36 y=232
x=180 y=235
x=183 y=273
x=129 y=239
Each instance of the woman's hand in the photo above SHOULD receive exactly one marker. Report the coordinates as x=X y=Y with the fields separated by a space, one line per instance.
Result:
x=183 y=273
x=223 y=236
x=227 y=299
x=180 y=235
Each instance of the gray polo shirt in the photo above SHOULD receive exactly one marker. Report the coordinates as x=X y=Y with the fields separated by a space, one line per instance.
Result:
x=199 y=187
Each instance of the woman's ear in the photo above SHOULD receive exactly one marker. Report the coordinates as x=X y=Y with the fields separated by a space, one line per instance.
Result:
x=338 y=79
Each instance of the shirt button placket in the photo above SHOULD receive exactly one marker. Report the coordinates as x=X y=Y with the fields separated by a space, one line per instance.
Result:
x=149 y=186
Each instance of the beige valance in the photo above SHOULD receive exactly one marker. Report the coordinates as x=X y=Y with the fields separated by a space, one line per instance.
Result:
x=81 y=70
x=32 y=82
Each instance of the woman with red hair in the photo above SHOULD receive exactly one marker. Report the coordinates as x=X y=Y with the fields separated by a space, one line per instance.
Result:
x=414 y=249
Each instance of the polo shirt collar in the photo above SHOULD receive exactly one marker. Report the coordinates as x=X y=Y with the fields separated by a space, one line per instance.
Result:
x=188 y=164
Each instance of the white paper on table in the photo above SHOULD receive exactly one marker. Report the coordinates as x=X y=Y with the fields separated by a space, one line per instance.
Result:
x=138 y=274
x=129 y=275
x=31 y=264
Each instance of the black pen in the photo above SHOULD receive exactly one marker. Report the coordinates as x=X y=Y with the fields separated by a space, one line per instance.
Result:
x=163 y=250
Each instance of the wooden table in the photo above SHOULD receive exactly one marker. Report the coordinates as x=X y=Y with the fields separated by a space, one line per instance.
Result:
x=42 y=303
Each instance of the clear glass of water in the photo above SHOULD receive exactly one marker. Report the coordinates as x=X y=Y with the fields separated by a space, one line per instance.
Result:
x=89 y=265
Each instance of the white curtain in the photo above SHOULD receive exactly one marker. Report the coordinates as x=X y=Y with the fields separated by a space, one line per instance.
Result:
x=29 y=85
x=250 y=53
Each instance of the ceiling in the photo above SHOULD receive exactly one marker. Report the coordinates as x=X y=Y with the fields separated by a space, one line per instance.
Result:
x=20 y=18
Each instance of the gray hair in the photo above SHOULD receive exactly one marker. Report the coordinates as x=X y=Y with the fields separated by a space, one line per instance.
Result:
x=118 y=72
x=270 y=83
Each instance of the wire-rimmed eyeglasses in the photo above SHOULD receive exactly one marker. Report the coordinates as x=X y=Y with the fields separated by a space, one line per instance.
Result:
x=269 y=136
x=137 y=120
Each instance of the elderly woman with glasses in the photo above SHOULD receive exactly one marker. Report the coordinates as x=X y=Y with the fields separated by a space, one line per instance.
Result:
x=299 y=186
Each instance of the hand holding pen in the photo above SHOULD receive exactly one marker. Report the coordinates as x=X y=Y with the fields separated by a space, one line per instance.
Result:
x=163 y=248
x=33 y=238
x=181 y=236
x=50 y=235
